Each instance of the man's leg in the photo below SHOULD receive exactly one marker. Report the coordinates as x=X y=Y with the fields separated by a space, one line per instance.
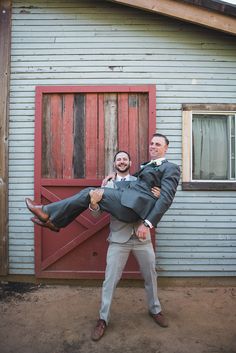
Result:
x=145 y=256
x=117 y=256
x=63 y=212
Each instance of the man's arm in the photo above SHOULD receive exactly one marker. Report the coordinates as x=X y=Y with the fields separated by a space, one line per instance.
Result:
x=95 y=197
x=169 y=183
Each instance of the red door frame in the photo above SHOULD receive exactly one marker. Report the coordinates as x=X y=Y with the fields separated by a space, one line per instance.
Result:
x=40 y=182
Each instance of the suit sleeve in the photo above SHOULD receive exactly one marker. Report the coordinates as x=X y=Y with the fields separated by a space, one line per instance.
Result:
x=169 y=183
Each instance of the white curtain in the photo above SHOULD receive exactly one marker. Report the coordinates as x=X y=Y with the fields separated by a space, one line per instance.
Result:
x=210 y=147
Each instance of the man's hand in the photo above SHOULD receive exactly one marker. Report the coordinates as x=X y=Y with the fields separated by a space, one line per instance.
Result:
x=95 y=197
x=156 y=191
x=142 y=232
x=111 y=176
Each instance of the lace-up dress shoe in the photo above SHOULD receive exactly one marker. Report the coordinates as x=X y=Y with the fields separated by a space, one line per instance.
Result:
x=37 y=210
x=159 y=319
x=47 y=224
x=99 y=330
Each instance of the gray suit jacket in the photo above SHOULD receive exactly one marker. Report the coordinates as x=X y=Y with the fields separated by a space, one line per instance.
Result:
x=120 y=232
x=137 y=195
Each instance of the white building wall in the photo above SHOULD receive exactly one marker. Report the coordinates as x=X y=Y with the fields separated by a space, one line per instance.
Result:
x=96 y=42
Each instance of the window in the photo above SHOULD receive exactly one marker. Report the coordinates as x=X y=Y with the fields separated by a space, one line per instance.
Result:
x=209 y=147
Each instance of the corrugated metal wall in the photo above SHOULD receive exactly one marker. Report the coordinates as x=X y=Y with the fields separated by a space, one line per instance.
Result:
x=96 y=42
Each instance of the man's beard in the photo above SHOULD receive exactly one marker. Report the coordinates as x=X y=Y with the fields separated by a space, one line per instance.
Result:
x=122 y=170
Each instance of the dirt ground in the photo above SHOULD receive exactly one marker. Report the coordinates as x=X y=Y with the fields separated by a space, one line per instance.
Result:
x=59 y=319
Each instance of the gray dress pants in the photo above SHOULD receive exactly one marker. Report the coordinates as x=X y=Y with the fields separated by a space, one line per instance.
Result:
x=117 y=257
x=65 y=211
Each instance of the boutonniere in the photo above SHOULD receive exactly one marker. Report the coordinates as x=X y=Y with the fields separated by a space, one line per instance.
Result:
x=154 y=163
x=157 y=162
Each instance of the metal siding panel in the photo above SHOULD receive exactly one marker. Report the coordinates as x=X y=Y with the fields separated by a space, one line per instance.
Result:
x=120 y=45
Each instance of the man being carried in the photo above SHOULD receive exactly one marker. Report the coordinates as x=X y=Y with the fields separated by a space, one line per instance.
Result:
x=130 y=202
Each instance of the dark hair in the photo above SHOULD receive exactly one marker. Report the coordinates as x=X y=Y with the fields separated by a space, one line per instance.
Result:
x=121 y=152
x=161 y=135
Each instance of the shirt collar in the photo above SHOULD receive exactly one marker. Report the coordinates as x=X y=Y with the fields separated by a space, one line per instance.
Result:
x=157 y=161
x=118 y=177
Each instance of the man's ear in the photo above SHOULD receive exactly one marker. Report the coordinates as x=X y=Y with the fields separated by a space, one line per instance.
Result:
x=130 y=163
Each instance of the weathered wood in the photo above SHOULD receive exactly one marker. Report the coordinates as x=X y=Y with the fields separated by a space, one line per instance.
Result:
x=111 y=144
x=143 y=128
x=101 y=137
x=186 y=146
x=123 y=121
x=67 y=134
x=5 y=40
x=91 y=141
x=209 y=107
x=79 y=136
x=46 y=155
x=133 y=130
x=56 y=136
x=186 y=12
x=223 y=186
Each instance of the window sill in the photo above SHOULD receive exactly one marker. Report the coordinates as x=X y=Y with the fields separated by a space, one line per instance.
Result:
x=217 y=186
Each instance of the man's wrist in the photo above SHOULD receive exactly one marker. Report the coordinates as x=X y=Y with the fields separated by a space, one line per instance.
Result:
x=94 y=207
x=147 y=223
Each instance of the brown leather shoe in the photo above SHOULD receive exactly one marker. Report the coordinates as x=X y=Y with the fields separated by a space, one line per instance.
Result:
x=37 y=210
x=99 y=330
x=159 y=319
x=47 y=224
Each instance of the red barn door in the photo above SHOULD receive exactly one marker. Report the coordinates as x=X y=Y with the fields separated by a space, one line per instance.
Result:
x=77 y=132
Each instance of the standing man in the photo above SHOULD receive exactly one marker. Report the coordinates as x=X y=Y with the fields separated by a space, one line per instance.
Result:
x=122 y=240
x=128 y=203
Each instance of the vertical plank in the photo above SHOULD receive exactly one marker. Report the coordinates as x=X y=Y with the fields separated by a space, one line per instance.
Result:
x=101 y=137
x=110 y=101
x=186 y=146
x=91 y=136
x=79 y=136
x=67 y=146
x=133 y=131
x=5 y=45
x=56 y=136
x=143 y=127
x=123 y=122
x=46 y=145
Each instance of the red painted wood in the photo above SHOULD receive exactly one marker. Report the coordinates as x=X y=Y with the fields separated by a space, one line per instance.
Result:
x=79 y=251
x=133 y=131
x=91 y=141
x=56 y=138
x=143 y=128
x=68 y=137
x=123 y=121
x=101 y=137
x=152 y=111
x=96 y=89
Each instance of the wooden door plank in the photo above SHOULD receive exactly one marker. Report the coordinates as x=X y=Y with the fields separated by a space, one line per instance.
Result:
x=101 y=137
x=79 y=136
x=133 y=130
x=91 y=135
x=56 y=135
x=110 y=101
x=46 y=138
x=67 y=133
x=143 y=128
x=123 y=121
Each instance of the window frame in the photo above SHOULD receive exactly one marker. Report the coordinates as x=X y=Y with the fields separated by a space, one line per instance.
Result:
x=187 y=182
